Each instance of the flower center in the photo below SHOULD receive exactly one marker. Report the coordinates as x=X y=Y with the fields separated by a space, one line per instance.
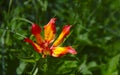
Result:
x=46 y=49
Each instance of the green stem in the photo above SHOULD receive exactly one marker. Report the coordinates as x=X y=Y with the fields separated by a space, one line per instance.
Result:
x=40 y=66
x=3 y=51
x=23 y=19
x=46 y=66
x=14 y=32
x=35 y=69
x=10 y=3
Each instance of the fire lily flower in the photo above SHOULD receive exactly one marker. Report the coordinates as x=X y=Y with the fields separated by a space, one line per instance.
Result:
x=46 y=46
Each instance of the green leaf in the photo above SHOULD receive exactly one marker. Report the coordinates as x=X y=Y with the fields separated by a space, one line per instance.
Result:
x=112 y=66
x=66 y=67
x=21 y=68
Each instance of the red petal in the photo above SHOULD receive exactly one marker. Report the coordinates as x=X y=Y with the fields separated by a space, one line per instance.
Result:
x=36 y=46
x=35 y=29
x=64 y=33
x=36 y=32
x=66 y=30
x=71 y=50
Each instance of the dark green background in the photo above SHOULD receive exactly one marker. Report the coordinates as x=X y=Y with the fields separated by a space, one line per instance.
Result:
x=95 y=34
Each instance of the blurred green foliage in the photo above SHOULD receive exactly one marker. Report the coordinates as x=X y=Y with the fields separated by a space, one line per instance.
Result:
x=95 y=34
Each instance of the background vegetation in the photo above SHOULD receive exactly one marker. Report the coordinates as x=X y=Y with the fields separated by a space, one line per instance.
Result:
x=95 y=35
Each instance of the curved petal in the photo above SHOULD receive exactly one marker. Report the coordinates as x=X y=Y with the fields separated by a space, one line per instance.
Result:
x=50 y=30
x=36 y=32
x=60 y=51
x=64 y=33
x=36 y=46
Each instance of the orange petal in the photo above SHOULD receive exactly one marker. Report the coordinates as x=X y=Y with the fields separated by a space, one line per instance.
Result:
x=36 y=32
x=64 y=33
x=36 y=46
x=60 y=51
x=50 y=30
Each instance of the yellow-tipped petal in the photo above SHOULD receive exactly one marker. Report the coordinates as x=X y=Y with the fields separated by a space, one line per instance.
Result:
x=36 y=46
x=60 y=51
x=50 y=30
x=64 y=33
